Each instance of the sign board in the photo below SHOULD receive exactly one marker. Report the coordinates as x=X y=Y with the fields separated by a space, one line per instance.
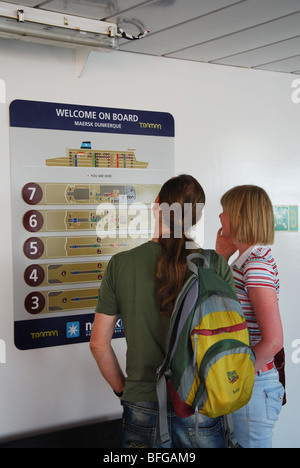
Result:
x=83 y=183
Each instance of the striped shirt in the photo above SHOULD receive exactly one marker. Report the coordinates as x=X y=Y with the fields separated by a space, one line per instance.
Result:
x=254 y=268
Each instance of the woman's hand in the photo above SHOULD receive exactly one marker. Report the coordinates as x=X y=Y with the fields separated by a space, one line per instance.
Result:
x=225 y=245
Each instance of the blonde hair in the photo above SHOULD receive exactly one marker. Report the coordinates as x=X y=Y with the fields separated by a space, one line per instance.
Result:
x=250 y=213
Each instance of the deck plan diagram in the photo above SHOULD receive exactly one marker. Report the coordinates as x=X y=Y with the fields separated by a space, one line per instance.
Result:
x=88 y=194
x=86 y=157
x=84 y=180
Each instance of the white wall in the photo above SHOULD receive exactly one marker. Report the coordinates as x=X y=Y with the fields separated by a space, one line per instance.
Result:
x=233 y=126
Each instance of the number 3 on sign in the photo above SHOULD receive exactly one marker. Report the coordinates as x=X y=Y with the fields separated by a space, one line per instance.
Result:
x=34 y=303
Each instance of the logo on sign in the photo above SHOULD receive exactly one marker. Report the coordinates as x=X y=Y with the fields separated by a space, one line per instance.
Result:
x=73 y=329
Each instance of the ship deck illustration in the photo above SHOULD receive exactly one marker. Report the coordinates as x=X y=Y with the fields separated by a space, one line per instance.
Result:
x=87 y=157
x=44 y=193
x=83 y=246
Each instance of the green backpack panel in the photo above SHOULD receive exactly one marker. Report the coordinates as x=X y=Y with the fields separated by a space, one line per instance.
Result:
x=209 y=365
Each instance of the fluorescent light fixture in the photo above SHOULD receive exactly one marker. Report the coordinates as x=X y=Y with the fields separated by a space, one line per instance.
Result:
x=35 y=25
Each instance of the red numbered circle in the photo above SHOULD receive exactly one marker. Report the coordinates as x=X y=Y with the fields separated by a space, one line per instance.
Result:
x=33 y=221
x=34 y=303
x=34 y=275
x=32 y=193
x=33 y=248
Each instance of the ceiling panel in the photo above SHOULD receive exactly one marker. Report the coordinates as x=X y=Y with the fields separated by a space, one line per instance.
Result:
x=163 y=14
x=96 y=9
x=28 y=3
x=246 y=40
x=264 y=55
x=231 y=19
x=289 y=65
x=262 y=34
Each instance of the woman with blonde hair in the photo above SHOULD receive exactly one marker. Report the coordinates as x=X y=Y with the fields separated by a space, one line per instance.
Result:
x=248 y=227
x=142 y=285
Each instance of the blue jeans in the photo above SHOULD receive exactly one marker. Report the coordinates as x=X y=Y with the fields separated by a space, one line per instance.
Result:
x=140 y=428
x=254 y=423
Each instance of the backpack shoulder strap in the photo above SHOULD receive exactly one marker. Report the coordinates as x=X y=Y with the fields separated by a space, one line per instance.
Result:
x=210 y=257
x=183 y=304
x=207 y=258
x=161 y=390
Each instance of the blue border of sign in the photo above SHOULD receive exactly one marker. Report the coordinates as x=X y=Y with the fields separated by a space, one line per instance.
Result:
x=58 y=116
x=47 y=332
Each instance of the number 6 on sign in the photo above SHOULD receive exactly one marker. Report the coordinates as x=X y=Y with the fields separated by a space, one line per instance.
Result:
x=33 y=221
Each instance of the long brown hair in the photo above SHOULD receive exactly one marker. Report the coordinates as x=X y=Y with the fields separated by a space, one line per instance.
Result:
x=187 y=197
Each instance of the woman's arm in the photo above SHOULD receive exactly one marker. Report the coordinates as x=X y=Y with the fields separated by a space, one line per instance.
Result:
x=100 y=345
x=265 y=306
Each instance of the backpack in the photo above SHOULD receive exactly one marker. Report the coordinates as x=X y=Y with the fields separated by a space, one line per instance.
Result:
x=209 y=365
